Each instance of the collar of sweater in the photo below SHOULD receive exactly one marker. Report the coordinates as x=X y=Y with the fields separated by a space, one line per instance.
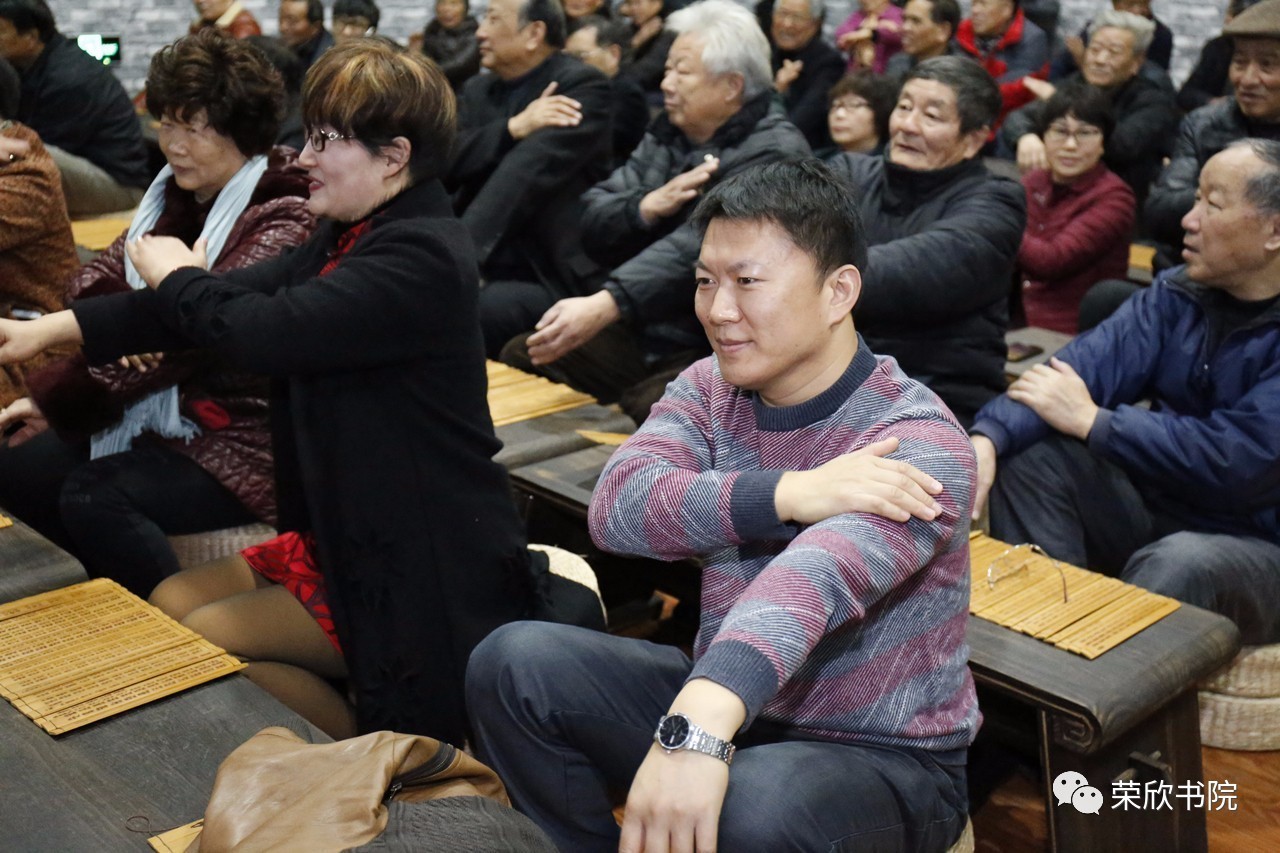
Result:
x=815 y=409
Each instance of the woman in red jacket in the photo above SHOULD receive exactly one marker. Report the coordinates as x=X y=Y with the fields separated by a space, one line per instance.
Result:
x=179 y=444
x=1079 y=214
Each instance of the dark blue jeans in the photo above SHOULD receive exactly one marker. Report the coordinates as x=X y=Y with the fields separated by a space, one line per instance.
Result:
x=1084 y=510
x=566 y=716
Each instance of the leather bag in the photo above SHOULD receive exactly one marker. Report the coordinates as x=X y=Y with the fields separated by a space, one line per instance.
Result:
x=278 y=792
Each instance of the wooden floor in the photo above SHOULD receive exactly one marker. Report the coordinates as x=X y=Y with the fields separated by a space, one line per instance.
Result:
x=1013 y=819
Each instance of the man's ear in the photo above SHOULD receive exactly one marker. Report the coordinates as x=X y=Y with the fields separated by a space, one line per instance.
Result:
x=1273 y=234
x=845 y=284
x=974 y=140
x=396 y=152
x=537 y=35
x=734 y=84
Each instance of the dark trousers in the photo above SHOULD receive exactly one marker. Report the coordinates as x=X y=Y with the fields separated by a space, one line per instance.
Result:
x=611 y=367
x=1084 y=510
x=509 y=309
x=566 y=716
x=114 y=513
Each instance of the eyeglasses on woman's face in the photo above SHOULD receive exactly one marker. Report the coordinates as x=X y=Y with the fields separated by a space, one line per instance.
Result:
x=321 y=138
x=1082 y=133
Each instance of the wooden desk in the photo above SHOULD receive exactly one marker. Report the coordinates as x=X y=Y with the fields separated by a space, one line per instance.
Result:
x=78 y=791
x=534 y=440
x=1139 y=699
x=1088 y=716
x=31 y=564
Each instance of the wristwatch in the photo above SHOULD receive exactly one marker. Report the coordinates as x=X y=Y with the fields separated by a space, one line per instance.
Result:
x=676 y=732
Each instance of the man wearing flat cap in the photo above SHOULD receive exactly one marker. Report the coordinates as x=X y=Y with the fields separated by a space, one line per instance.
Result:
x=1253 y=111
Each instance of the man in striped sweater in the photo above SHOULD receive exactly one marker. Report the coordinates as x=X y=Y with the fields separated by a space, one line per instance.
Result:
x=827 y=495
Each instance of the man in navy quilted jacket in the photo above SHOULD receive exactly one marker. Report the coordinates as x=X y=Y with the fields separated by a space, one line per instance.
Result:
x=1181 y=497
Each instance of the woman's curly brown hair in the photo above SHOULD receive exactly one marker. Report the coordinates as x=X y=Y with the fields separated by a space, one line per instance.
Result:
x=230 y=80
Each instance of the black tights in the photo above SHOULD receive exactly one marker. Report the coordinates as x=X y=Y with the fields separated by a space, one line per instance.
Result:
x=114 y=513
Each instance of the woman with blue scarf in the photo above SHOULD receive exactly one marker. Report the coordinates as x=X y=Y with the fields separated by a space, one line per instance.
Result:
x=400 y=546
x=108 y=460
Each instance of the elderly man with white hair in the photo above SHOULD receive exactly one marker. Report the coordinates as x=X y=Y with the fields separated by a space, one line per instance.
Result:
x=1145 y=109
x=626 y=340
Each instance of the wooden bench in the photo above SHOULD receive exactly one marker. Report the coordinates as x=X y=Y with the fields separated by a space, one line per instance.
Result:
x=111 y=784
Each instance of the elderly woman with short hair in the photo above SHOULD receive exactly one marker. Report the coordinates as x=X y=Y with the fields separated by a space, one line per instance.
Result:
x=182 y=444
x=402 y=547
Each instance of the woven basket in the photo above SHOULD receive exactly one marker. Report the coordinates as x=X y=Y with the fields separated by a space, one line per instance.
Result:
x=571 y=566
x=1254 y=673
x=198 y=548
x=1237 y=722
x=965 y=843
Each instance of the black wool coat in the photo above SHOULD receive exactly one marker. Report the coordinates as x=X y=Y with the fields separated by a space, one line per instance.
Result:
x=382 y=437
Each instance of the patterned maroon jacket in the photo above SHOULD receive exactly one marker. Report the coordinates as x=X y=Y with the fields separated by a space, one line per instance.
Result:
x=230 y=406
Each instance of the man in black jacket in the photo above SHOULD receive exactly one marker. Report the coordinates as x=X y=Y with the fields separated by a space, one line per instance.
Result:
x=302 y=29
x=533 y=135
x=1254 y=111
x=804 y=67
x=1145 y=112
x=602 y=44
x=625 y=341
x=944 y=234
x=79 y=109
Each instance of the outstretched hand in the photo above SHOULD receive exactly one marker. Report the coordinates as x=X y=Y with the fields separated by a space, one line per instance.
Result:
x=156 y=257
x=22 y=339
x=861 y=481
x=569 y=324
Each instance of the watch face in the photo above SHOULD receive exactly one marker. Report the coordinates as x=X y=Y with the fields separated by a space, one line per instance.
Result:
x=674 y=731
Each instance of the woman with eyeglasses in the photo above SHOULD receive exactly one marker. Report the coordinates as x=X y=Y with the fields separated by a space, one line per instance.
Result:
x=858 y=108
x=1079 y=213
x=109 y=459
x=401 y=546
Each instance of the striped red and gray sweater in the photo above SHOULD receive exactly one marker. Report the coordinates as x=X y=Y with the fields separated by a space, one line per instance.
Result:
x=852 y=629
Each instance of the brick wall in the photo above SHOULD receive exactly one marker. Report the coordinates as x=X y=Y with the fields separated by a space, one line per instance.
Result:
x=145 y=27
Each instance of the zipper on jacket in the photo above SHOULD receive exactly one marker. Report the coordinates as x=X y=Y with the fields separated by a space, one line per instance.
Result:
x=443 y=758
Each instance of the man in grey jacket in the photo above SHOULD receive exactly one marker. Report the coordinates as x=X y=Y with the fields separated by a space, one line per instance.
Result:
x=637 y=331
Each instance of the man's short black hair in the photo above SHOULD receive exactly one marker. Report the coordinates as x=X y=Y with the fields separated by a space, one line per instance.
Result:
x=29 y=15
x=608 y=32
x=945 y=12
x=551 y=13
x=366 y=9
x=1083 y=102
x=978 y=99
x=804 y=198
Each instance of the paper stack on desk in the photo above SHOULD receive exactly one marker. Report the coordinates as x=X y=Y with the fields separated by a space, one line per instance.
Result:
x=80 y=654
